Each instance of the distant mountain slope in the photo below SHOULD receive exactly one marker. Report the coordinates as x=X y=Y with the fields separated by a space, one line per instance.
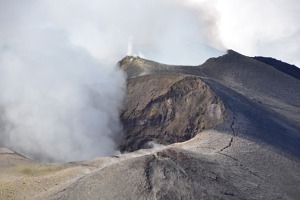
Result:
x=291 y=70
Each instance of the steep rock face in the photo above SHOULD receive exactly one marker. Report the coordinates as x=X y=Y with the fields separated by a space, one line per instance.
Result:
x=168 y=108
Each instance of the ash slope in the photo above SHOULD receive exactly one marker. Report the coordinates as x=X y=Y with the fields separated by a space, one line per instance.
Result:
x=253 y=152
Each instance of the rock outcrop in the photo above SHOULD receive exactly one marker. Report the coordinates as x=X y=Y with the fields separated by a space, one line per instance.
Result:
x=168 y=108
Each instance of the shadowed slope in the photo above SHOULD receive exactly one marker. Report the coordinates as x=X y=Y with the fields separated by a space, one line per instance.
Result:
x=267 y=98
x=291 y=70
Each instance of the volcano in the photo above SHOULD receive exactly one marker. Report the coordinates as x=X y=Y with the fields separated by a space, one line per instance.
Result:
x=226 y=129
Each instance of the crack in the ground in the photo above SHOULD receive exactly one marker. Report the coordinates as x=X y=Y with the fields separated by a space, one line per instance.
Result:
x=233 y=158
x=148 y=171
x=241 y=165
x=233 y=133
x=75 y=182
x=232 y=124
x=253 y=173
x=227 y=146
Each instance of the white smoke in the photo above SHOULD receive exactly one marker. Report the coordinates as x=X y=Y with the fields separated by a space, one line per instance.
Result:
x=256 y=27
x=261 y=27
x=129 y=47
x=58 y=102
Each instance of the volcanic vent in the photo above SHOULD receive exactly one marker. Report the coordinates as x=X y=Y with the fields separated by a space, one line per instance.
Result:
x=165 y=107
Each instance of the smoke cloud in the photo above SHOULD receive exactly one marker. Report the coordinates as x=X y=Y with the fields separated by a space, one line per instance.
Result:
x=261 y=27
x=256 y=27
x=58 y=101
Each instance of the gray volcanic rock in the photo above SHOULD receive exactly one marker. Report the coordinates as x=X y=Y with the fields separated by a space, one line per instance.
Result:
x=167 y=108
